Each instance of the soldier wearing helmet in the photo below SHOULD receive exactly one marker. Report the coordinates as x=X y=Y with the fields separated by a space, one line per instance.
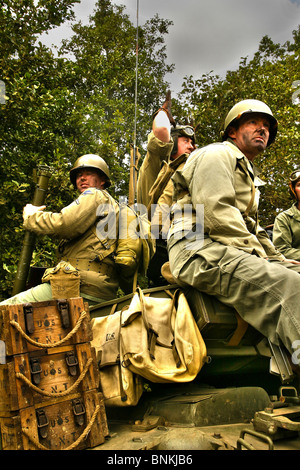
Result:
x=92 y=163
x=286 y=232
x=169 y=145
x=230 y=257
x=84 y=243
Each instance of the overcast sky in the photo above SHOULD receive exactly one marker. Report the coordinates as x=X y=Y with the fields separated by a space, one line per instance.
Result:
x=207 y=35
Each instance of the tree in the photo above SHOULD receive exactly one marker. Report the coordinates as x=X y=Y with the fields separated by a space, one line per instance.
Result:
x=270 y=76
x=105 y=56
x=33 y=102
x=60 y=108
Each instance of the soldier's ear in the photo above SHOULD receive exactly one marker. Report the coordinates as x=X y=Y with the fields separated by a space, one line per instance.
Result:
x=103 y=183
x=231 y=132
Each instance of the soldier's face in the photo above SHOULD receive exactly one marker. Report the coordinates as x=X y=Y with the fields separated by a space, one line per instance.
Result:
x=88 y=179
x=185 y=145
x=297 y=190
x=252 y=135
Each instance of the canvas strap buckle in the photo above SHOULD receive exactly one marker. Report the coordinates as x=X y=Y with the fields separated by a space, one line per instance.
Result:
x=63 y=309
x=79 y=411
x=28 y=316
x=42 y=423
x=72 y=362
x=36 y=370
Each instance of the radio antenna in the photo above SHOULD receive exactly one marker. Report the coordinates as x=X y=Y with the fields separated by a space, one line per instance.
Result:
x=133 y=163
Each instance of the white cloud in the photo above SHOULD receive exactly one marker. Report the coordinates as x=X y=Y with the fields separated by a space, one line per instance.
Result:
x=209 y=34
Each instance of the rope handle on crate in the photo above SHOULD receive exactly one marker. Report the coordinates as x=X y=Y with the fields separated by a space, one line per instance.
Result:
x=72 y=446
x=59 y=394
x=53 y=345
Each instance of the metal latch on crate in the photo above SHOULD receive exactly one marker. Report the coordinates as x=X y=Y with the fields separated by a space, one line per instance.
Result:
x=72 y=362
x=42 y=423
x=63 y=308
x=79 y=411
x=2 y=352
x=28 y=315
x=36 y=370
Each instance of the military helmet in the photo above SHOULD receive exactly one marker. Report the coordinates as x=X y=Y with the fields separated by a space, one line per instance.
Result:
x=181 y=131
x=90 y=161
x=246 y=107
x=294 y=178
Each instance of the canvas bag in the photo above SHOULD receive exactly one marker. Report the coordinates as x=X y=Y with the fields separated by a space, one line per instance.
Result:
x=119 y=385
x=160 y=339
x=136 y=244
x=135 y=247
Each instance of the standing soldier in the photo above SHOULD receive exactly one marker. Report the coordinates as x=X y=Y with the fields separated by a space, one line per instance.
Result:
x=84 y=244
x=286 y=233
x=166 y=145
x=169 y=145
x=236 y=261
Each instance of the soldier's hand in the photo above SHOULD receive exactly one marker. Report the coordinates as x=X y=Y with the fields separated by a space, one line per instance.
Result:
x=30 y=209
x=166 y=107
x=293 y=261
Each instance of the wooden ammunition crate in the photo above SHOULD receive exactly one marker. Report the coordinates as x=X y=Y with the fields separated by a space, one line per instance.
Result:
x=73 y=424
x=39 y=376
x=31 y=327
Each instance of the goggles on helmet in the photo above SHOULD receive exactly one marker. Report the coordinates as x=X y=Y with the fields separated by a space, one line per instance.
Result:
x=188 y=131
x=295 y=175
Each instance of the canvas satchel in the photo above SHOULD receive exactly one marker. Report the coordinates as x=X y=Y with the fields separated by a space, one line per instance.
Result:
x=119 y=385
x=160 y=339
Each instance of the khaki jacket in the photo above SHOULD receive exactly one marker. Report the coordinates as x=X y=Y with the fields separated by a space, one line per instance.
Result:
x=157 y=152
x=286 y=233
x=221 y=178
x=84 y=241
x=161 y=196
x=161 y=191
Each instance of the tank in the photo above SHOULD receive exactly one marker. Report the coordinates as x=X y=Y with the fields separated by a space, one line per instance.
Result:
x=245 y=397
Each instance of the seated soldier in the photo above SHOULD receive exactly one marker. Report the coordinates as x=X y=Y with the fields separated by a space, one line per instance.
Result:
x=169 y=145
x=83 y=241
x=235 y=261
x=286 y=232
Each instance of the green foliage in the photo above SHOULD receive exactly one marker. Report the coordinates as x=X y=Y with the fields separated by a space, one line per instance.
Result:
x=105 y=55
x=269 y=76
x=83 y=101
x=59 y=108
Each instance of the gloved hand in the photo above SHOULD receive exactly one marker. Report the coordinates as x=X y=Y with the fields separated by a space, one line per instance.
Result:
x=166 y=107
x=30 y=209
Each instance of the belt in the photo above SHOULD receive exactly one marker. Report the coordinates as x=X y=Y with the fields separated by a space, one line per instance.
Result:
x=95 y=266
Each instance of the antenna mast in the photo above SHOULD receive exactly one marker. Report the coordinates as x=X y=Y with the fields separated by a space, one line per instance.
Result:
x=132 y=186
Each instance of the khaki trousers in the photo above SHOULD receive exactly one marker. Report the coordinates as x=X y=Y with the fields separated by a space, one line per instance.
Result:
x=40 y=293
x=265 y=293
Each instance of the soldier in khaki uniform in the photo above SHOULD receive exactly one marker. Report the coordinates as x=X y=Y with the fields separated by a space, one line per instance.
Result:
x=286 y=233
x=236 y=261
x=81 y=229
x=169 y=146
